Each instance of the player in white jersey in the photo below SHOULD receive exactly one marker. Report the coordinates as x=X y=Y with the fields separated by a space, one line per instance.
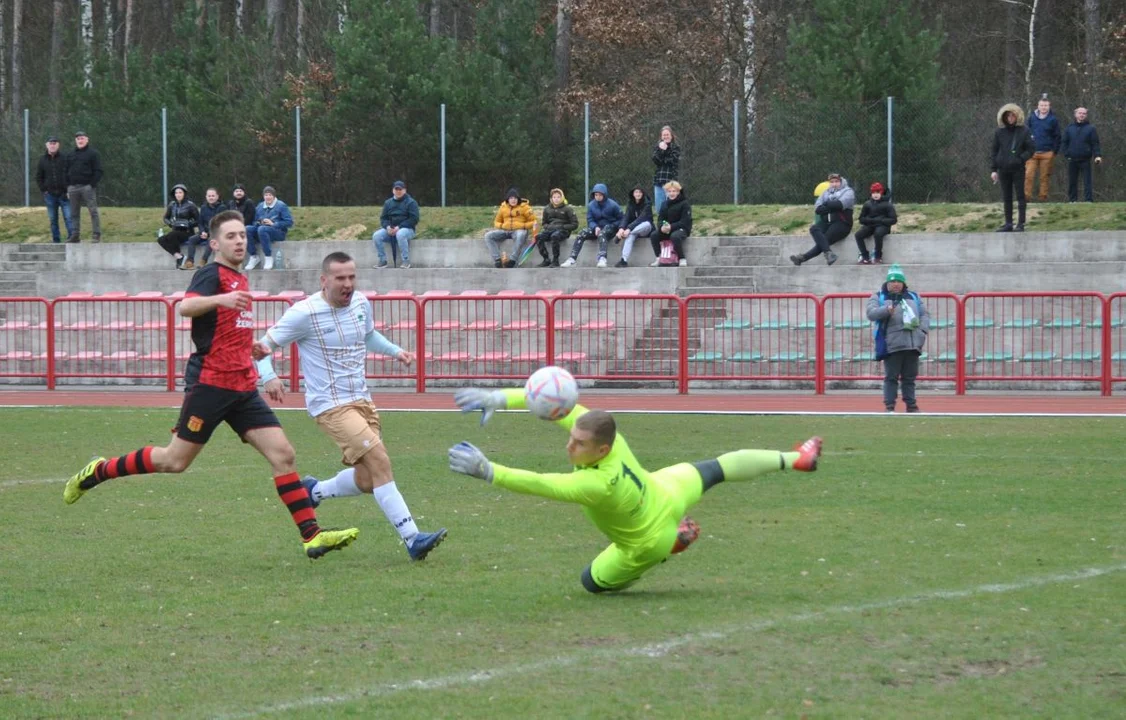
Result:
x=334 y=331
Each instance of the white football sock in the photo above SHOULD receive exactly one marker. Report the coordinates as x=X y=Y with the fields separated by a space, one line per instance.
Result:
x=342 y=485
x=395 y=508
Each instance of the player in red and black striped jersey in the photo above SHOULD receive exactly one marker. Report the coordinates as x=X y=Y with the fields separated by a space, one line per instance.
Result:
x=221 y=386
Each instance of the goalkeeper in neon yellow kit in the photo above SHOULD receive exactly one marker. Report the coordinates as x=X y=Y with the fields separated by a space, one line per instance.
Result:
x=641 y=512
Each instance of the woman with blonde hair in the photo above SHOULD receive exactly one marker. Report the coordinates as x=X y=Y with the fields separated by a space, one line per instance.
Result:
x=666 y=156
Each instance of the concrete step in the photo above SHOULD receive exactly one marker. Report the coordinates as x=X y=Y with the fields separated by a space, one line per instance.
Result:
x=741 y=253
x=698 y=281
x=16 y=288
x=717 y=290
x=29 y=266
x=51 y=258
x=53 y=248
x=768 y=242
x=712 y=271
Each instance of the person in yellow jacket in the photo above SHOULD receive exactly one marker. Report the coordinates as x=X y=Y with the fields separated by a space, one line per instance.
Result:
x=641 y=512
x=514 y=221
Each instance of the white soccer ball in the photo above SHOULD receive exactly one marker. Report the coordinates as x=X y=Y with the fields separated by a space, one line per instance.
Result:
x=550 y=393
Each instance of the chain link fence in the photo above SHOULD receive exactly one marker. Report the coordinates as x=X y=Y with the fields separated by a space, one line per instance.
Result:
x=938 y=152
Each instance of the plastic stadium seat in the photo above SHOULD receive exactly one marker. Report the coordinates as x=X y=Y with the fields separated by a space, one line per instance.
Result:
x=511 y=293
x=482 y=326
x=399 y=294
x=87 y=355
x=444 y=325
x=564 y=325
x=184 y=324
x=865 y=357
x=745 y=356
x=570 y=356
x=834 y=357
x=1021 y=323
x=15 y=355
x=706 y=357
x=155 y=355
x=123 y=355
x=121 y=325
x=772 y=325
x=114 y=294
x=535 y=356
x=153 y=325
x=549 y=293
x=1118 y=356
x=787 y=357
x=147 y=294
x=587 y=291
x=455 y=356
x=807 y=325
x=178 y=295
x=263 y=324
x=1084 y=356
x=80 y=294
x=59 y=355
x=1059 y=323
x=950 y=356
x=436 y=293
x=994 y=357
x=1038 y=356
x=15 y=325
x=292 y=294
x=852 y=324
x=734 y=325
x=473 y=293
x=941 y=324
x=979 y=324
x=405 y=325
x=625 y=293
x=83 y=325
x=259 y=294
x=1116 y=323
x=519 y=325
x=599 y=325
x=493 y=356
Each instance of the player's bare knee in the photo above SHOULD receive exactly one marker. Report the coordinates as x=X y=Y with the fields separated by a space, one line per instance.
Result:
x=282 y=458
x=373 y=469
x=170 y=461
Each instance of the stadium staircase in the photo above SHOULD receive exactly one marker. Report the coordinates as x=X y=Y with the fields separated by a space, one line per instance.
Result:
x=20 y=267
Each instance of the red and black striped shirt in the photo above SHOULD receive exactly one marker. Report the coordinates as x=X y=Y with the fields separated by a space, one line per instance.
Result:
x=223 y=337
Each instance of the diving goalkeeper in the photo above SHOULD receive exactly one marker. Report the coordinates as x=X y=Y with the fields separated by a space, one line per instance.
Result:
x=639 y=511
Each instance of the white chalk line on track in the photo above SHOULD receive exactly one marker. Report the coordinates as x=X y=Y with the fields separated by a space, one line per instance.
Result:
x=660 y=649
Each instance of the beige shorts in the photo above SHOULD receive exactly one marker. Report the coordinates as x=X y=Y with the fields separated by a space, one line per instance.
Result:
x=353 y=427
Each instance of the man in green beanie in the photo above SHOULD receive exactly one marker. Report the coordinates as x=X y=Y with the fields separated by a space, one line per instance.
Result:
x=900 y=324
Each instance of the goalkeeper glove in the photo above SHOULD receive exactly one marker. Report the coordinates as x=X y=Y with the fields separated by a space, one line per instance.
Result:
x=468 y=460
x=487 y=401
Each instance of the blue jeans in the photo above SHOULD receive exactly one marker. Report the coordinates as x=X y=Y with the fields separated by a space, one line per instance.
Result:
x=195 y=241
x=658 y=200
x=402 y=238
x=265 y=235
x=54 y=202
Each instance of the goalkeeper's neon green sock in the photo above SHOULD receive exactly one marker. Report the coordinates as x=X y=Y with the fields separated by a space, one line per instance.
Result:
x=747 y=464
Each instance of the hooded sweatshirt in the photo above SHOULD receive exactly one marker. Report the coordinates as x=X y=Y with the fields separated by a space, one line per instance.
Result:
x=677 y=213
x=837 y=204
x=602 y=214
x=1012 y=144
x=512 y=218
x=561 y=217
x=637 y=212
x=181 y=215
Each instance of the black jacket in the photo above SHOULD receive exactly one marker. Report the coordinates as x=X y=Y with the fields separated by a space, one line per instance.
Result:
x=182 y=216
x=51 y=174
x=878 y=212
x=206 y=212
x=1012 y=147
x=559 y=219
x=637 y=213
x=1081 y=141
x=247 y=207
x=678 y=214
x=84 y=167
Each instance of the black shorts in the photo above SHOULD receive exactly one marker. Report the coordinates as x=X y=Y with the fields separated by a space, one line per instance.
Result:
x=205 y=406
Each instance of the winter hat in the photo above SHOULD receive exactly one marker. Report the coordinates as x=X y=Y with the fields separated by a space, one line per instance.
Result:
x=239 y=186
x=512 y=193
x=821 y=187
x=896 y=273
x=80 y=133
x=877 y=187
x=398 y=184
x=179 y=186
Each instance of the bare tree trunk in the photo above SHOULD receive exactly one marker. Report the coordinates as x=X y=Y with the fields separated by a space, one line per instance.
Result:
x=1093 y=37
x=1010 y=50
x=54 y=82
x=341 y=15
x=435 y=18
x=87 y=15
x=750 y=70
x=107 y=15
x=300 y=31
x=128 y=43
x=274 y=23
x=3 y=62
x=200 y=13
x=1031 y=53
x=17 y=42
x=561 y=129
x=239 y=10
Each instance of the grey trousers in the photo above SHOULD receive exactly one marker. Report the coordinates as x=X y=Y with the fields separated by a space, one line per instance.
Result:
x=83 y=195
x=493 y=238
x=900 y=368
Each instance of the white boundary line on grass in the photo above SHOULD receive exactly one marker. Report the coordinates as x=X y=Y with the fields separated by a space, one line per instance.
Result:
x=660 y=649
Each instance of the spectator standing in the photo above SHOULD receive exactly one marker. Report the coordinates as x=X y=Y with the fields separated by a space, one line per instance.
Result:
x=272 y=220
x=182 y=216
x=51 y=177
x=638 y=222
x=674 y=224
x=397 y=225
x=836 y=203
x=901 y=323
x=1012 y=147
x=1081 y=147
x=1045 y=129
x=83 y=173
x=242 y=204
x=603 y=218
x=514 y=221
x=876 y=218
x=559 y=221
x=210 y=209
x=666 y=156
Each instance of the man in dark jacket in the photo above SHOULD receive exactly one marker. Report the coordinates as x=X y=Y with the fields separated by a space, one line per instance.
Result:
x=901 y=325
x=1045 y=131
x=398 y=224
x=243 y=204
x=1080 y=146
x=559 y=221
x=208 y=210
x=836 y=203
x=876 y=218
x=1012 y=147
x=83 y=173
x=51 y=177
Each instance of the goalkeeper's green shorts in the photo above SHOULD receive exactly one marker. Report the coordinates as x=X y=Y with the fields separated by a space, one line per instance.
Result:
x=616 y=568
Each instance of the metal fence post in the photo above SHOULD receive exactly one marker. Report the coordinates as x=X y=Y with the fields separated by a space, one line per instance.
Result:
x=442 y=148
x=26 y=158
x=586 y=148
x=735 y=154
x=891 y=143
x=164 y=150
x=297 y=112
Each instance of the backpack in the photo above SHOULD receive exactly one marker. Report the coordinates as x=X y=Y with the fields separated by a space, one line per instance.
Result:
x=668 y=254
x=879 y=329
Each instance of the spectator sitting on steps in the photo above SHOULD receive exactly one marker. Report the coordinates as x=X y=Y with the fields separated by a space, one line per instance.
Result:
x=559 y=222
x=836 y=202
x=638 y=222
x=182 y=216
x=272 y=220
x=243 y=204
x=514 y=221
x=876 y=218
x=397 y=225
x=210 y=209
x=674 y=224
x=603 y=217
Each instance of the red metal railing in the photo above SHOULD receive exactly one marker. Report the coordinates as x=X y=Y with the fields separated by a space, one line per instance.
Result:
x=1001 y=338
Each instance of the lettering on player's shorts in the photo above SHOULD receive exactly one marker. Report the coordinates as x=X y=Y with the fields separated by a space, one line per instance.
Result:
x=195 y=424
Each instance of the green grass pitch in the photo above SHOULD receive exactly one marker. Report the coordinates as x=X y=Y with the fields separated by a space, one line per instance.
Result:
x=933 y=567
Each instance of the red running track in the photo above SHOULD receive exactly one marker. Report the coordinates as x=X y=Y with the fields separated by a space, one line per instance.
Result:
x=701 y=402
